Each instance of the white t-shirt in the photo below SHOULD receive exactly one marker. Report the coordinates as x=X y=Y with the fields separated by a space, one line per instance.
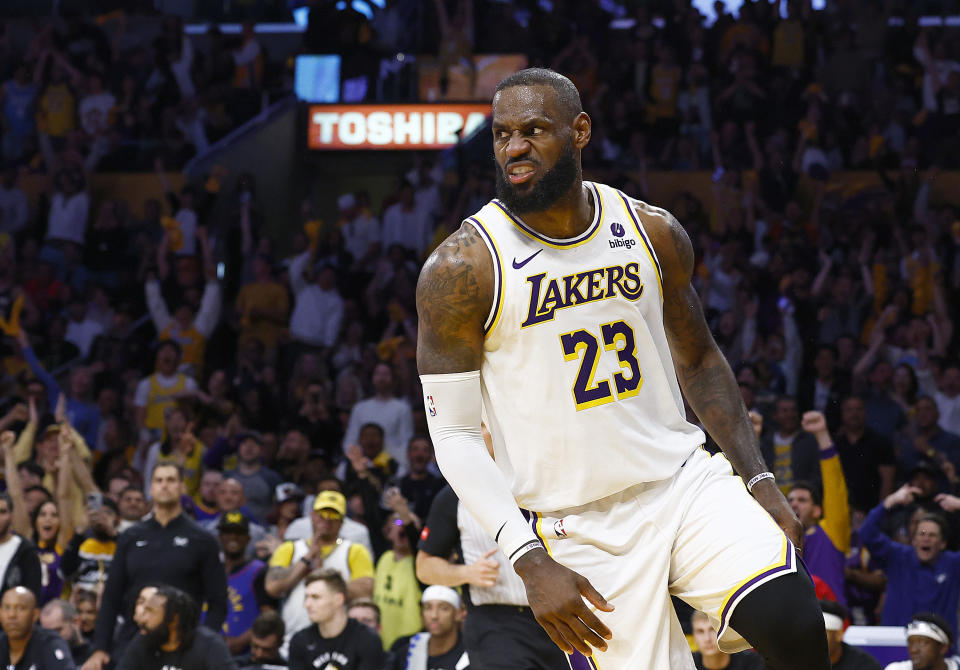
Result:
x=949 y=409
x=68 y=217
x=359 y=234
x=7 y=550
x=952 y=664
x=95 y=112
x=412 y=230
x=83 y=333
x=393 y=415
x=181 y=69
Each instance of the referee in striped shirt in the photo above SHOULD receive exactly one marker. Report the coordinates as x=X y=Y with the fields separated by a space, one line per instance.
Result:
x=500 y=631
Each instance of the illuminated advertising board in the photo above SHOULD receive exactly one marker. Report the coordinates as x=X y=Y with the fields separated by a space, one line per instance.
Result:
x=388 y=127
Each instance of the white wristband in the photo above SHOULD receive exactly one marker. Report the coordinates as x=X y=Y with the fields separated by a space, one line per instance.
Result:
x=757 y=479
x=529 y=546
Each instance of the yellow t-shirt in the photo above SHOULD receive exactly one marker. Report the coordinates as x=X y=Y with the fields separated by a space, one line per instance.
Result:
x=55 y=115
x=265 y=297
x=397 y=593
x=358 y=558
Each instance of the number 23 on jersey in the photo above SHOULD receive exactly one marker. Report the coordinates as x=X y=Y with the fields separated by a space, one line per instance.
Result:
x=585 y=346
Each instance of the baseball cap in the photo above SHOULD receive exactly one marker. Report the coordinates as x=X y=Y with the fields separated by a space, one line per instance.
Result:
x=442 y=593
x=288 y=491
x=234 y=521
x=250 y=435
x=331 y=500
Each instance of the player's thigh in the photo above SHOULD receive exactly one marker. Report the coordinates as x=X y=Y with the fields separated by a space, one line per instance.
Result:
x=622 y=545
x=726 y=545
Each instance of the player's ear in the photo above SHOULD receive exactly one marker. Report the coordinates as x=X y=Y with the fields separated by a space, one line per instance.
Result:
x=581 y=130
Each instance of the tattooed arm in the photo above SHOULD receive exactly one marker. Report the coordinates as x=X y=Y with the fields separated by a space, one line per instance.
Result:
x=704 y=374
x=454 y=295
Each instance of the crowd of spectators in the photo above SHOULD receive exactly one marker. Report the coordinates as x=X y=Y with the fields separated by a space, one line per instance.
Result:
x=280 y=375
x=94 y=93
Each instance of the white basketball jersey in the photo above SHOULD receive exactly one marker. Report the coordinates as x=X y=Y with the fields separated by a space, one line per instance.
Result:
x=579 y=389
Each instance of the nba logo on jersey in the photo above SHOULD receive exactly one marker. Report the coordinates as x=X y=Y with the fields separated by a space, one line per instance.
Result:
x=430 y=406
x=558 y=528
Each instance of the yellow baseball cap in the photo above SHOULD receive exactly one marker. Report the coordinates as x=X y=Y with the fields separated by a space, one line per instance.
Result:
x=331 y=500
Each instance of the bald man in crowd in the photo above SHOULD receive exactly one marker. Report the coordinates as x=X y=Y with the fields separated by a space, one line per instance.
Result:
x=23 y=644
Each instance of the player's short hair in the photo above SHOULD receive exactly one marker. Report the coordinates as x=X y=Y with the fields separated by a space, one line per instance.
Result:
x=937 y=519
x=787 y=398
x=67 y=610
x=420 y=437
x=835 y=608
x=32 y=467
x=173 y=344
x=376 y=426
x=42 y=489
x=365 y=602
x=936 y=620
x=167 y=464
x=267 y=624
x=568 y=97
x=84 y=595
x=815 y=493
x=699 y=616
x=333 y=579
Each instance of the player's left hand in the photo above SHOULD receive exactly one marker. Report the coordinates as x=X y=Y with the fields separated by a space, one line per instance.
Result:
x=768 y=494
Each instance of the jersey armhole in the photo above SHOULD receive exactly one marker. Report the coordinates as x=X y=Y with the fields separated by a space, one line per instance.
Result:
x=497 y=304
x=631 y=212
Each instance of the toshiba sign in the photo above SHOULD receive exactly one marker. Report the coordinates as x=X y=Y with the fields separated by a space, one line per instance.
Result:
x=391 y=126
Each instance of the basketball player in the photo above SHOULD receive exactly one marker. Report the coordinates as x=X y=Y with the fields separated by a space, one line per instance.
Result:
x=563 y=313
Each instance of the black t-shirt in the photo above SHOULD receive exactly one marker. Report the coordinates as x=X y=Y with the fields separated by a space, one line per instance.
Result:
x=856 y=659
x=245 y=662
x=46 y=650
x=441 y=532
x=861 y=461
x=447 y=661
x=355 y=648
x=421 y=492
x=207 y=651
x=745 y=660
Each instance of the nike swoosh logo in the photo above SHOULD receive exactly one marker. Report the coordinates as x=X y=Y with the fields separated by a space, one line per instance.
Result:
x=141 y=543
x=517 y=266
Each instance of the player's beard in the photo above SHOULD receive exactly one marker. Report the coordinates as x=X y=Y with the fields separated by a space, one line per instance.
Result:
x=553 y=185
x=154 y=638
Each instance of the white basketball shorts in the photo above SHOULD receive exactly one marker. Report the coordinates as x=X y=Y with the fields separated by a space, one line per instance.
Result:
x=698 y=535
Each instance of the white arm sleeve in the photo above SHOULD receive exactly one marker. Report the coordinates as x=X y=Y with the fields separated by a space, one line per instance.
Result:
x=453 y=407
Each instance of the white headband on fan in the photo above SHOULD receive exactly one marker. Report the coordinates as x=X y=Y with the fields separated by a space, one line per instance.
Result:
x=927 y=629
x=832 y=621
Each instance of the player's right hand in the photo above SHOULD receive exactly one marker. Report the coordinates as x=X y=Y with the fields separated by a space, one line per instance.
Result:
x=484 y=571
x=97 y=661
x=556 y=595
